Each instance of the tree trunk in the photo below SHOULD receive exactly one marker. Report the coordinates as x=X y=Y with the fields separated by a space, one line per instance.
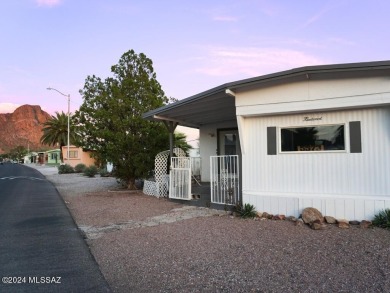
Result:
x=131 y=184
x=61 y=154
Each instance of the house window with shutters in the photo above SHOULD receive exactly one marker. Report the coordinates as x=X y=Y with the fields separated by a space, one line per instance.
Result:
x=316 y=138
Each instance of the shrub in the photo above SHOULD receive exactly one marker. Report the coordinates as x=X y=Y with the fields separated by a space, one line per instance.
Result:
x=91 y=171
x=65 y=169
x=246 y=211
x=382 y=219
x=104 y=173
x=79 y=168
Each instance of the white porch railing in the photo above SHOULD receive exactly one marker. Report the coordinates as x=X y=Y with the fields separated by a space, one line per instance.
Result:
x=180 y=178
x=225 y=179
x=196 y=166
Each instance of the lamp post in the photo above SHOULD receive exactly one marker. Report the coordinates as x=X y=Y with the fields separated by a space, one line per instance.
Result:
x=68 y=96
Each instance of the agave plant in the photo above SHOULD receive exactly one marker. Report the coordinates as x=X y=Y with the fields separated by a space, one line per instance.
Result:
x=246 y=211
x=382 y=219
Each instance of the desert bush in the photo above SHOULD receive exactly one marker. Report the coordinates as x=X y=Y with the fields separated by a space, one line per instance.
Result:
x=382 y=219
x=65 y=169
x=104 y=173
x=246 y=211
x=91 y=171
x=79 y=168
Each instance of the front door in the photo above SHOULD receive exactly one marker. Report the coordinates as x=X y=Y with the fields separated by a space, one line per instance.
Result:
x=228 y=143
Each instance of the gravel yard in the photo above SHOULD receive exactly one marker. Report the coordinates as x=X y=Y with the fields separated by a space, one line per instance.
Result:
x=76 y=184
x=220 y=254
x=145 y=244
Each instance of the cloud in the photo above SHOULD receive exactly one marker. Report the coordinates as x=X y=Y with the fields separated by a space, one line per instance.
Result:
x=253 y=61
x=323 y=43
x=49 y=3
x=341 y=41
x=8 y=107
x=225 y=18
x=314 y=18
x=319 y=15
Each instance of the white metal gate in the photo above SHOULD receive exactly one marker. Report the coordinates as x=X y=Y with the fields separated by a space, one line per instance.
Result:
x=180 y=178
x=225 y=179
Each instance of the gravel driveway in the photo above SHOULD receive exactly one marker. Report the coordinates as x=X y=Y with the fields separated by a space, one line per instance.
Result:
x=145 y=244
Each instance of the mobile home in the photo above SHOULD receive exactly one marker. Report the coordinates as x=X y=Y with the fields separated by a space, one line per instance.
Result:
x=316 y=136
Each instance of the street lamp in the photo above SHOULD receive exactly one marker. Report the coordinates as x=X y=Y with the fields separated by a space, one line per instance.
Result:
x=68 y=96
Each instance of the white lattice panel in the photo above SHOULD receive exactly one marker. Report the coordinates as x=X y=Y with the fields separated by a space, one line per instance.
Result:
x=150 y=188
x=160 y=187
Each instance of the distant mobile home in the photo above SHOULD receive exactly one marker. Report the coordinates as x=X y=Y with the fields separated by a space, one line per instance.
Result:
x=316 y=136
x=53 y=157
x=77 y=156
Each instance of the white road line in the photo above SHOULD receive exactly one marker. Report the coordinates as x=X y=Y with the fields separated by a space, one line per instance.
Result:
x=20 y=177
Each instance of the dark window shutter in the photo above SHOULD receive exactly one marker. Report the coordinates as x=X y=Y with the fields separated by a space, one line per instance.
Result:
x=271 y=141
x=355 y=137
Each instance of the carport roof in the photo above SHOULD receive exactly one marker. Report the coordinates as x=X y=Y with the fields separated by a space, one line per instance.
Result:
x=218 y=104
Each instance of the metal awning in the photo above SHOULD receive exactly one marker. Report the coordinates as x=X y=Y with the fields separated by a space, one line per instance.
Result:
x=208 y=107
x=218 y=104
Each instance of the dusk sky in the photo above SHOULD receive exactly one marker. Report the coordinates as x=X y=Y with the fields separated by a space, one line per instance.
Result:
x=194 y=45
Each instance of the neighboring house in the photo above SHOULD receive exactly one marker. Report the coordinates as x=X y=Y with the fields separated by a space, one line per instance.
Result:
x=53 y=157
x=316 y=136
x=30 y=158
x=77 y=156
x=41 y=158
x=27 y=159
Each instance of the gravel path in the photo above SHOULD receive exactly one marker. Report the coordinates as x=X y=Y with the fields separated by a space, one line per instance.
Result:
x=145 y=244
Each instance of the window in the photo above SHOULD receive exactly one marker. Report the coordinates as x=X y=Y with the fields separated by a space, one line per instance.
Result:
x=73 y=154
x=314 y=138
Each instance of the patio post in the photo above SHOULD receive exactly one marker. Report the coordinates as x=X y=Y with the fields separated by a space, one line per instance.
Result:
x=171 y=126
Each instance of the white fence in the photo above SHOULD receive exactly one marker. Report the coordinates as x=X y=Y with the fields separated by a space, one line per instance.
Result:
x=225 y=179
x=180 y=178
x=196 y=166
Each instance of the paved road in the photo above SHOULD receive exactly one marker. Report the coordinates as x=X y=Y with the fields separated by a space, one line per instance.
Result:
x=40 y=246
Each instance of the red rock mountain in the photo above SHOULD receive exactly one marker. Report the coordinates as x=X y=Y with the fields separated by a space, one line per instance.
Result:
x=22 y=127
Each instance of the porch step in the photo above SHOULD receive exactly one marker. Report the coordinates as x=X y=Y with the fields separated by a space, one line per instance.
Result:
x=203 y=189
x=201 y=197
x=201 y=193
x=202 y=203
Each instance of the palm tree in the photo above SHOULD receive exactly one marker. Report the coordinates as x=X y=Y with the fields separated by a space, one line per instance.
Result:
x=180 y=141
x=55 y=131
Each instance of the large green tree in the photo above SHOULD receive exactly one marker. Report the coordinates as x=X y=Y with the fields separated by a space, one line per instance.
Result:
x=110 y=118
x=55 y=131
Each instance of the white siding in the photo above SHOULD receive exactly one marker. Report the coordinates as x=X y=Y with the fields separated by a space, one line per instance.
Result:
x=344 y=185
x=309 y=94
x=208 y=145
